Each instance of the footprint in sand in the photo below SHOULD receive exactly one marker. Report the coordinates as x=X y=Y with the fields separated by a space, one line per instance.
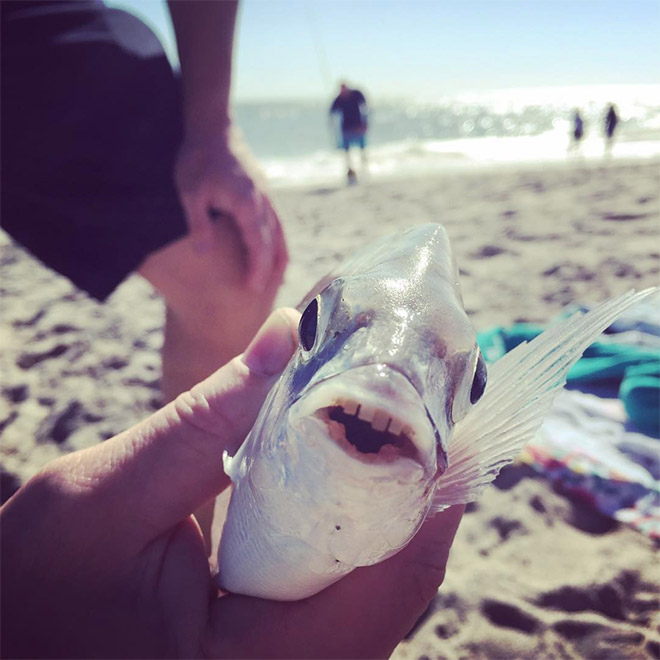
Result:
x=595 y=638
x=11 y=417
x=628 y=597
x=604 y=600
x=16 y=393
x=653 y=649
x=512 y=234
x=562 y=296
x=506 y=615
x=568 y=271
x=28 y=360
x=58 y=426
x=61 y=328
x=33 y=320
x=618 y=268
x=507 y=527
x=486 y=251
x=446 y=630
x=623 y=217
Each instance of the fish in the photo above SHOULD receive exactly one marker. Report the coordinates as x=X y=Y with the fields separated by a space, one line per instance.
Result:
x=385 y=414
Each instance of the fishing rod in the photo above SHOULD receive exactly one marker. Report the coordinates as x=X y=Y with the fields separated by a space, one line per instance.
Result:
x=323 y=67
x=319 y=47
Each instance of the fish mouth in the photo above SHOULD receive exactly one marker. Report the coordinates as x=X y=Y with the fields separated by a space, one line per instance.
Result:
x=367 y=429
x=373 y=413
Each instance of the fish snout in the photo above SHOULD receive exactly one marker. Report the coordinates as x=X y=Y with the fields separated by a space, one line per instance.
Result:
x=374 y=414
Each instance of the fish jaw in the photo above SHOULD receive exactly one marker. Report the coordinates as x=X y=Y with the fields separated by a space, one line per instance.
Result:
x=375 y=415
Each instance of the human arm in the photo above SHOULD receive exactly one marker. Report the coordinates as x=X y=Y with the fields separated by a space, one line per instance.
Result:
x=102 y=558
x=215 y=173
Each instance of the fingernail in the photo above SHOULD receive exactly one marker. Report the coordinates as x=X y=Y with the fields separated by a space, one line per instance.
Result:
x=270 y=350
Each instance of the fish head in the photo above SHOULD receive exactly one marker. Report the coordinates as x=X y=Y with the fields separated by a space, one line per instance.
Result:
x=388 y=360
x=342 y=464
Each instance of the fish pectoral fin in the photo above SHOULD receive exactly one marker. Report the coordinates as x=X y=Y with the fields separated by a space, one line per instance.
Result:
x=521 y=388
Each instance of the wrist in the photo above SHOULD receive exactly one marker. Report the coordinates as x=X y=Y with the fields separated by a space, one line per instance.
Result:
x=207 y=122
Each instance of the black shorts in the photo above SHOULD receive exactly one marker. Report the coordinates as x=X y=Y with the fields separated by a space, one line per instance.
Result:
x=91 y=124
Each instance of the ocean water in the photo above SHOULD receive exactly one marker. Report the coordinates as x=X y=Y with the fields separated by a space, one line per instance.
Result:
x=295 y=142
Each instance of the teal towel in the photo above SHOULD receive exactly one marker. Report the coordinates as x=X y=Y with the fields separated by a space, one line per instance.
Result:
x=635 y=369
x=640 y=393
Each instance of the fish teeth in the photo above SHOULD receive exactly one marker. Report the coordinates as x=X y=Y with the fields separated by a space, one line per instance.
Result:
x=380 y=421
x=350 y=407
x=396 y=426
x=366 y=412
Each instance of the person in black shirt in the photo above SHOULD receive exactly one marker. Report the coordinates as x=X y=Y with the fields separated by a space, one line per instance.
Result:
x=611 y=120
x=352 y=106
x=578 y=131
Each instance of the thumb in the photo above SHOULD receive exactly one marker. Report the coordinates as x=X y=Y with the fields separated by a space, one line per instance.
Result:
x=166 y=467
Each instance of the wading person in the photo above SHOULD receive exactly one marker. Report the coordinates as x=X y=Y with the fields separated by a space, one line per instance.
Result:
x=352 y=106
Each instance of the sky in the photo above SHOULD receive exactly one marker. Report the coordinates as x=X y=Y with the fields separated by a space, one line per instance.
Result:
x=293 y=49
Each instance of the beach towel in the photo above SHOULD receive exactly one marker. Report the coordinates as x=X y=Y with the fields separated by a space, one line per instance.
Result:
x=632 y=370
x=600 y=440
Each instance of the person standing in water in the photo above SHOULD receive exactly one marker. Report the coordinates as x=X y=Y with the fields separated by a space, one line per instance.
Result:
x=578 y=131
x=611 y=120
x=352 y=105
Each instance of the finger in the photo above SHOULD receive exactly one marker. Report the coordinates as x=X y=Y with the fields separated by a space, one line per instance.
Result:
x=199 y=221
x=165 y=468
x=253 y=222
x=364 y=615
x=245 y=204
x=280 y=252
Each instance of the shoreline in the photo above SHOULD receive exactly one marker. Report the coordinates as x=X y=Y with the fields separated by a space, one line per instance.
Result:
x=461 y=165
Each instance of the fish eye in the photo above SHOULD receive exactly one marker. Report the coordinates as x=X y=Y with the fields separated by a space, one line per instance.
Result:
x=479 y=381
x=308 y=325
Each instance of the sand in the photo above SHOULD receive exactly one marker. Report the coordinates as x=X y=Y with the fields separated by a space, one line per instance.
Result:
x=532 y=573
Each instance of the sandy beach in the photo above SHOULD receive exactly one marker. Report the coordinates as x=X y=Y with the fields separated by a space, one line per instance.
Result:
x=533 y=574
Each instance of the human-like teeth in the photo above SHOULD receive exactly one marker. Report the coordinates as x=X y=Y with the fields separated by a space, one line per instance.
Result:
x=350 y=407
x=396 y=426
x=380 y=420
x=366 y=412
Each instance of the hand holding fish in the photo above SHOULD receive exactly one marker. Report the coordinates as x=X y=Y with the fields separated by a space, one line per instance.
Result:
x=102 y=558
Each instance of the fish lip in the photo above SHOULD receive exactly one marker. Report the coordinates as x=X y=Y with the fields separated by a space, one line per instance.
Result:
x=382 y=386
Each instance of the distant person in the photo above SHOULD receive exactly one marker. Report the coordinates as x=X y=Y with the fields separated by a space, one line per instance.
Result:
x=352 y=106
x=578 y=131
x=611 y=120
